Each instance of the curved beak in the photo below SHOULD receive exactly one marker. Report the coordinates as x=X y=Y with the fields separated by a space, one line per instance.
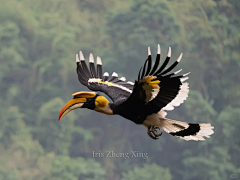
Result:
x=71 y=105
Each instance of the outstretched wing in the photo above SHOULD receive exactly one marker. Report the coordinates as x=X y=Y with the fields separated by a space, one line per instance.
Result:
x=156 y=88
x=116 y=88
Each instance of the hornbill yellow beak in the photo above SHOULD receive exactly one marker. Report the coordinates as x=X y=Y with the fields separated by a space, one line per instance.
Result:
x=78 y=101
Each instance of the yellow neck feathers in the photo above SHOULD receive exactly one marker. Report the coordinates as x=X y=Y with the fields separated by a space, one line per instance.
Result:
x=102 y=105
x=101 y=101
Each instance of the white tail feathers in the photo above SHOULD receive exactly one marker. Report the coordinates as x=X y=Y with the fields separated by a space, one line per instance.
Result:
x=186 y=131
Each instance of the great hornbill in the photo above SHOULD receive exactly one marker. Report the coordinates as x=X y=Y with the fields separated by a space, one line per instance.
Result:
x=143 y=102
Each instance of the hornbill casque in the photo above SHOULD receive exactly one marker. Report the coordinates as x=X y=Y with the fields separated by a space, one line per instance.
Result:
x=143 y=102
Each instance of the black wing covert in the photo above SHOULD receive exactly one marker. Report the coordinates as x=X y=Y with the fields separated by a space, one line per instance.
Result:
x=156 y=90
x=116 y=88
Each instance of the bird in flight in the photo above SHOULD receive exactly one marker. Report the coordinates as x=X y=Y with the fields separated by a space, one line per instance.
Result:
x=143 y=102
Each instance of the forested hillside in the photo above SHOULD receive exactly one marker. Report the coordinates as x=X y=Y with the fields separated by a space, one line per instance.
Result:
x=38 y=43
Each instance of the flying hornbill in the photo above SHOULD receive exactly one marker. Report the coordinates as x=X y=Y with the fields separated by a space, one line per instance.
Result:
x=143 y=102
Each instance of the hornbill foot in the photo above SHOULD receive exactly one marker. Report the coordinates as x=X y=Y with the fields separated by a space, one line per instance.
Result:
x=152 y=132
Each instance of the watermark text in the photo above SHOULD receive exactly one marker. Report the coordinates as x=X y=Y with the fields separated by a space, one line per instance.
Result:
x=125 y=155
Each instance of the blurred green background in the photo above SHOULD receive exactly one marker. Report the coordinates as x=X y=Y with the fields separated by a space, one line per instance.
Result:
x=38 y=43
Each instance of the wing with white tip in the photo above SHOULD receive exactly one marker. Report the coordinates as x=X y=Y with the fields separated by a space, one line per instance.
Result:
x=116 y=88
x=158 y=89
